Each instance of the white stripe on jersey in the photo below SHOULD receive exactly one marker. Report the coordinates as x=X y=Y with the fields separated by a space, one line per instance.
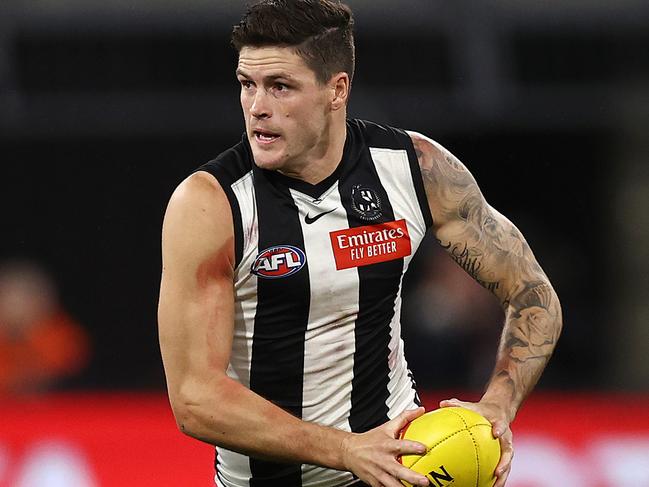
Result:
x=234 y=468
x=245 y=283
x=394 y=172
x=393 y=168
x=328 y=349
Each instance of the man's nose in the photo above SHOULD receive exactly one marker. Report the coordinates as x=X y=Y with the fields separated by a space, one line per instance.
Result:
x=259 y=107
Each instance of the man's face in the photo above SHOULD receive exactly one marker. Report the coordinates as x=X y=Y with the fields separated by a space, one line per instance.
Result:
x=286 y=110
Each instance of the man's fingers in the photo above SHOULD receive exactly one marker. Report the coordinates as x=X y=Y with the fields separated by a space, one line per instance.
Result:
x=386 y=480
x=395 y=471
x=505 y=464
x=410 y=415
x=503 y=467
x=397 y=424
x=506 y=456
x=502 y=479
x=449 y=403
x=410 y=476
x=499 y=428
x=390 y=474
x=407 y=447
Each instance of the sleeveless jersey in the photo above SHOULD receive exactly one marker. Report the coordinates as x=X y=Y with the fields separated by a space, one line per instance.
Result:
x=318 y=291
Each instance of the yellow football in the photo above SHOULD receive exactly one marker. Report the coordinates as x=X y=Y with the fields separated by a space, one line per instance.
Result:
x=460 y=448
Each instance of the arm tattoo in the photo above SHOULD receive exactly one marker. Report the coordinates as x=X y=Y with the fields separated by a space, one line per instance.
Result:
x=531 y=333
x=494 y=253
x=470 y=261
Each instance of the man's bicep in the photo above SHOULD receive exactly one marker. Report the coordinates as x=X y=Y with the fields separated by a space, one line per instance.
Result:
x=491 y=250
x=480 y=239
x=196 y=305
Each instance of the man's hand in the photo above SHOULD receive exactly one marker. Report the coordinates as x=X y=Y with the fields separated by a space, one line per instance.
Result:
x=372 y=456
x=497 y=416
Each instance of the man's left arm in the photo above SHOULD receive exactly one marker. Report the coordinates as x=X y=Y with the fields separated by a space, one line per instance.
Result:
x=494 y=253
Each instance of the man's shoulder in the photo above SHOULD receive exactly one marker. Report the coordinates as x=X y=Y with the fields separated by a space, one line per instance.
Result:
x=427 y=148
x=379 y=134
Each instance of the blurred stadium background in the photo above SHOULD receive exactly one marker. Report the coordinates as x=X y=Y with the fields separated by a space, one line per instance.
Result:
x=106 y=106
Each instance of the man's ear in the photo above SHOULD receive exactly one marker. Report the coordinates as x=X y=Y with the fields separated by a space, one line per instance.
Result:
x=340 y=86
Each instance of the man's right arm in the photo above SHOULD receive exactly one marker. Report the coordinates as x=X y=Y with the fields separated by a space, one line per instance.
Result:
x=196 y=321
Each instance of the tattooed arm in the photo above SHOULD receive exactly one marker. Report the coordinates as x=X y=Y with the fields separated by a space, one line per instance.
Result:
x=493 y=251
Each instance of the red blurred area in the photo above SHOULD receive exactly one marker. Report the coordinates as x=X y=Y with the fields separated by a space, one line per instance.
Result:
x=574 y=418
x=123 y=439
x=131 y=439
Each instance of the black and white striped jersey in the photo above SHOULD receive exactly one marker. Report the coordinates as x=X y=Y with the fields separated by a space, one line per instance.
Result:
x=318 y=291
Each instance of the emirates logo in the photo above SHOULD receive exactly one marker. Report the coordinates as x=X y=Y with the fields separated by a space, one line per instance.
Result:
x=371 y=244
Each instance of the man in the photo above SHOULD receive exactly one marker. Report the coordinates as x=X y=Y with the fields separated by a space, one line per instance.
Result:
x=282 y=266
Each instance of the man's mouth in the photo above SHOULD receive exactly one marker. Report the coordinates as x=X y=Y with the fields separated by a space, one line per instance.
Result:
x=265 y=137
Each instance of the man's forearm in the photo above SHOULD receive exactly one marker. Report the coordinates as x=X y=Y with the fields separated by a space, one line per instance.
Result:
x=532 y=327
x=227 y=414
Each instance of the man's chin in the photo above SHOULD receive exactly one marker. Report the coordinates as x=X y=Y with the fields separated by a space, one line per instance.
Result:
x=265 y=161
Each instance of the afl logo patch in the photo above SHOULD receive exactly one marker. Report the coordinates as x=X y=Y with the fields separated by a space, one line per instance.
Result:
x=366 y=202
x=278 y=261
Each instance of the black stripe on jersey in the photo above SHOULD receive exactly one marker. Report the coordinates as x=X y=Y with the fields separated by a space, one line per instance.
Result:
x=238 y=226
x=216 y=464
x=378 y=288
x=414 y=387
x=228 y=167
x=417 y=178
x=277 y=365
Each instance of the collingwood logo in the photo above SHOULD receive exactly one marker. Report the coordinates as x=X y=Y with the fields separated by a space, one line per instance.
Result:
x=366 y=202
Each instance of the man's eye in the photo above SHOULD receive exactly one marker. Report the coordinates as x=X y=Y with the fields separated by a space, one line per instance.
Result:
x=281 y=87
x=246 y=84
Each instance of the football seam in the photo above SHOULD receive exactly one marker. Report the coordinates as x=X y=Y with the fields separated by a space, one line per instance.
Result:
x=436 y=445
x=475 y=447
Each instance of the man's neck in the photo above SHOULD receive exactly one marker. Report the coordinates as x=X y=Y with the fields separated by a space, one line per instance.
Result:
x=326 y=158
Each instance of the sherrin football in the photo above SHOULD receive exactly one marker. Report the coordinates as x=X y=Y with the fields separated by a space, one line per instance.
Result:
x=460 y=448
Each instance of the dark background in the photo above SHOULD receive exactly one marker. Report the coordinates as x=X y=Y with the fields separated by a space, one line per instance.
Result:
x=105 y=109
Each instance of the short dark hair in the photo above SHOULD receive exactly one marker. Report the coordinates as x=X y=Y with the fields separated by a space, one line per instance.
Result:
x=320 y=31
